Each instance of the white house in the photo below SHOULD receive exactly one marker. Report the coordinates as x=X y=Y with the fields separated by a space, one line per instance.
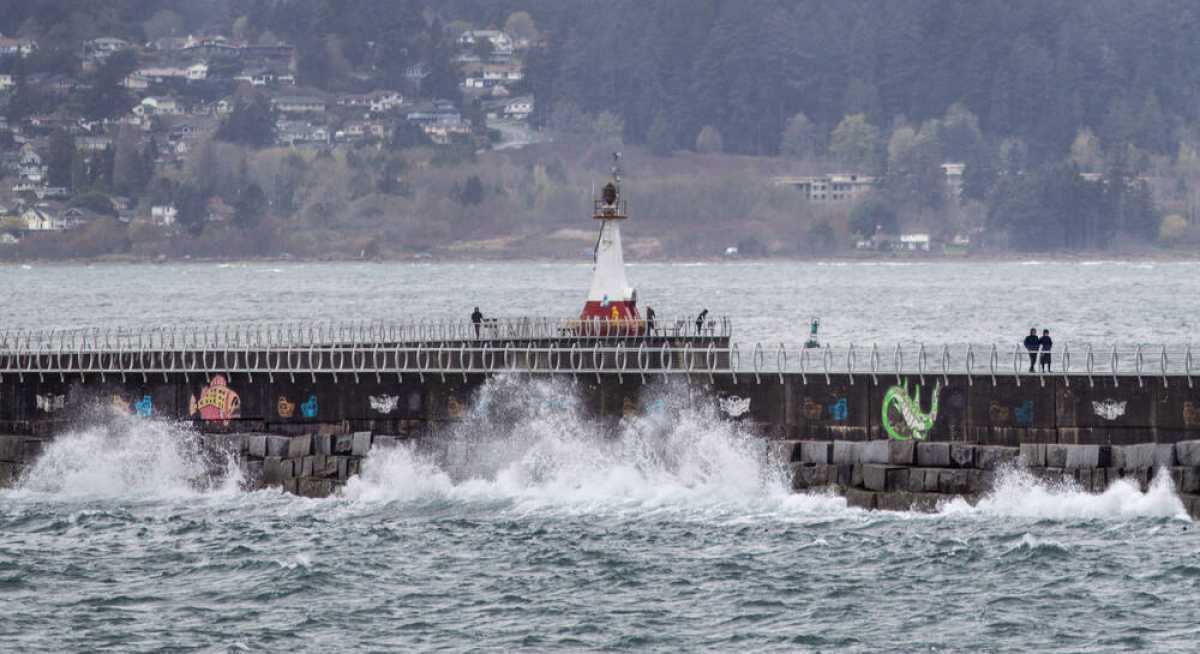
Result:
x=916 y=242
x=157 y=106
x=519 y=108
x=23 y=47
x=298 y=104
x=6 y=82
x=293 y=132
x=39 y=220
x=163 y=214
x=502 y=44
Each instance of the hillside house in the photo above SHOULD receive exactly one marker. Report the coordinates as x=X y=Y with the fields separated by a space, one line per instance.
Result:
x=22 y=47
x=298 y=104
x=157 y=106
x=163 y=215
x=829 y=188
x=40 y=219
x=297 y=132
x=502 y=44
x=519 y=108
x=93 y=143
x=30 y=167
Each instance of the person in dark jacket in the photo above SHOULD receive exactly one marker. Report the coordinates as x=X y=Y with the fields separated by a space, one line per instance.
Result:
x=1045 y=344
x=700 y=321
x=1032 y=343
x=649 y=321
x=477 y=320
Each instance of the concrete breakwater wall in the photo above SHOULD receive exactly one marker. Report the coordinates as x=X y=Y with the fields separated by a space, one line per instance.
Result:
x=317 y=415
x=922 y=476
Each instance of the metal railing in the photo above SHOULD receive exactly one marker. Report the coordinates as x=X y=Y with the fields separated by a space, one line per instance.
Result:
x=348 y=333
x=980 y=363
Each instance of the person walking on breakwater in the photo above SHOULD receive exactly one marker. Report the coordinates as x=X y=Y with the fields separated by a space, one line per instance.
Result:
x=1045 y=344
x=1032 y=343
x=476 y=320
x=700 y=321
x=649 y=320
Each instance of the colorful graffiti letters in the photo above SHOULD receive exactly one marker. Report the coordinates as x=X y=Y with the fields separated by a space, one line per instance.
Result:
x=284 y=408
x=217 y=401
x=903 y=418
x=309 y=408
x=998 y=413
x=384 y=404
x=1109 y=409
x=812 y=410
x=145 y=406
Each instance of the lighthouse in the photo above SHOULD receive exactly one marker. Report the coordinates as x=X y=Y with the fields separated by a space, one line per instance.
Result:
x=611 y=303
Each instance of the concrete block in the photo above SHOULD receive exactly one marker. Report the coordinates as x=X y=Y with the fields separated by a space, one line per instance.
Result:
x=916 y=480
x=299 y=446
x=361 y=443
x=979 y=481
x=11 y=448
x=10 y=473
x=816 y=451
x=1033 y=454
x=884 y=477
x=1188 y=480
x=353 y=466
x=856 y=475
x=933 y=455
x=1082 y=456
x=901 y=453
x=291 y=485
x=315 y=488
x=343 y=468
x=953 y=481
x=252 y=474
x=845 y=452
x=1187 y=453
x=384 y=442
x=278 y=445
x=306 y=466
x=1134 y=457
x=256 y=446
x=810 y=475
x=1100 y=480
x=322 y=444
x=273 y=470
x=1164 y=455
x=343 y=444
x=932 y=477
x=844 y=475
x=1056 y=455
x=873 y=452
x=32 y=449
x=990 y=457
x=860 y=499
x=1083 y=478
x=962 y=455
x=782 y=451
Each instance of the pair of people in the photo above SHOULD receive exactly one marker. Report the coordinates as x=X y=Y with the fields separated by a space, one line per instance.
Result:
x=1036 y=346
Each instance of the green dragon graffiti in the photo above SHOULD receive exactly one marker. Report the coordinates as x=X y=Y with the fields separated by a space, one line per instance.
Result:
x=915 y=423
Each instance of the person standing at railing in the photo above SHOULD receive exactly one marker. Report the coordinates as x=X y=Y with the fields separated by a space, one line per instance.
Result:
x=649 y=320
x=477 y=320
x=1045 y=344
x=1032 y=344
x=700 y=322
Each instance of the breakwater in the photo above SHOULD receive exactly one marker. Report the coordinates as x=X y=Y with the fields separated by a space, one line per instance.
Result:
x=894 y=435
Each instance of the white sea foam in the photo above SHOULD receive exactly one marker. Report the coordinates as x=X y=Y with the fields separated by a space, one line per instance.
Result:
x=128 y=457
x=530 y=443
x=1017 y=493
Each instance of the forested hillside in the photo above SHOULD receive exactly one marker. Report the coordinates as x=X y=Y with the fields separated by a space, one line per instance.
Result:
x=1066 y=125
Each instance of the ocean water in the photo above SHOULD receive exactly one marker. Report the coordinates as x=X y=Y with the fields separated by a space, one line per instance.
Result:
x=527 y=527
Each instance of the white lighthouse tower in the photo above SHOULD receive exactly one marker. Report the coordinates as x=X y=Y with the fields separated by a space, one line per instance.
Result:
x=611 y=299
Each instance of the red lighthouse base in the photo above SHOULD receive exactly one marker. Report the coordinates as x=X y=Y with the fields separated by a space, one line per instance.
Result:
x=610 y=319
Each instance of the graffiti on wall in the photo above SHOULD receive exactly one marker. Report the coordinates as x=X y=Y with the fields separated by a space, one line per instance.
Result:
x=840 y=410
x=284 y=408
x=384 y=404
x=454 y=408
x=1021 y=416
x=217 y=401
x=51 y=403
x=309 y=407
x=144 y=407
x=1109 y=409
x=1191 y=415
x=903 y=417
x=734 y=406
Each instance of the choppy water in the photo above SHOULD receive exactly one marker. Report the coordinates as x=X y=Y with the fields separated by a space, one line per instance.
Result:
x=527 y=527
